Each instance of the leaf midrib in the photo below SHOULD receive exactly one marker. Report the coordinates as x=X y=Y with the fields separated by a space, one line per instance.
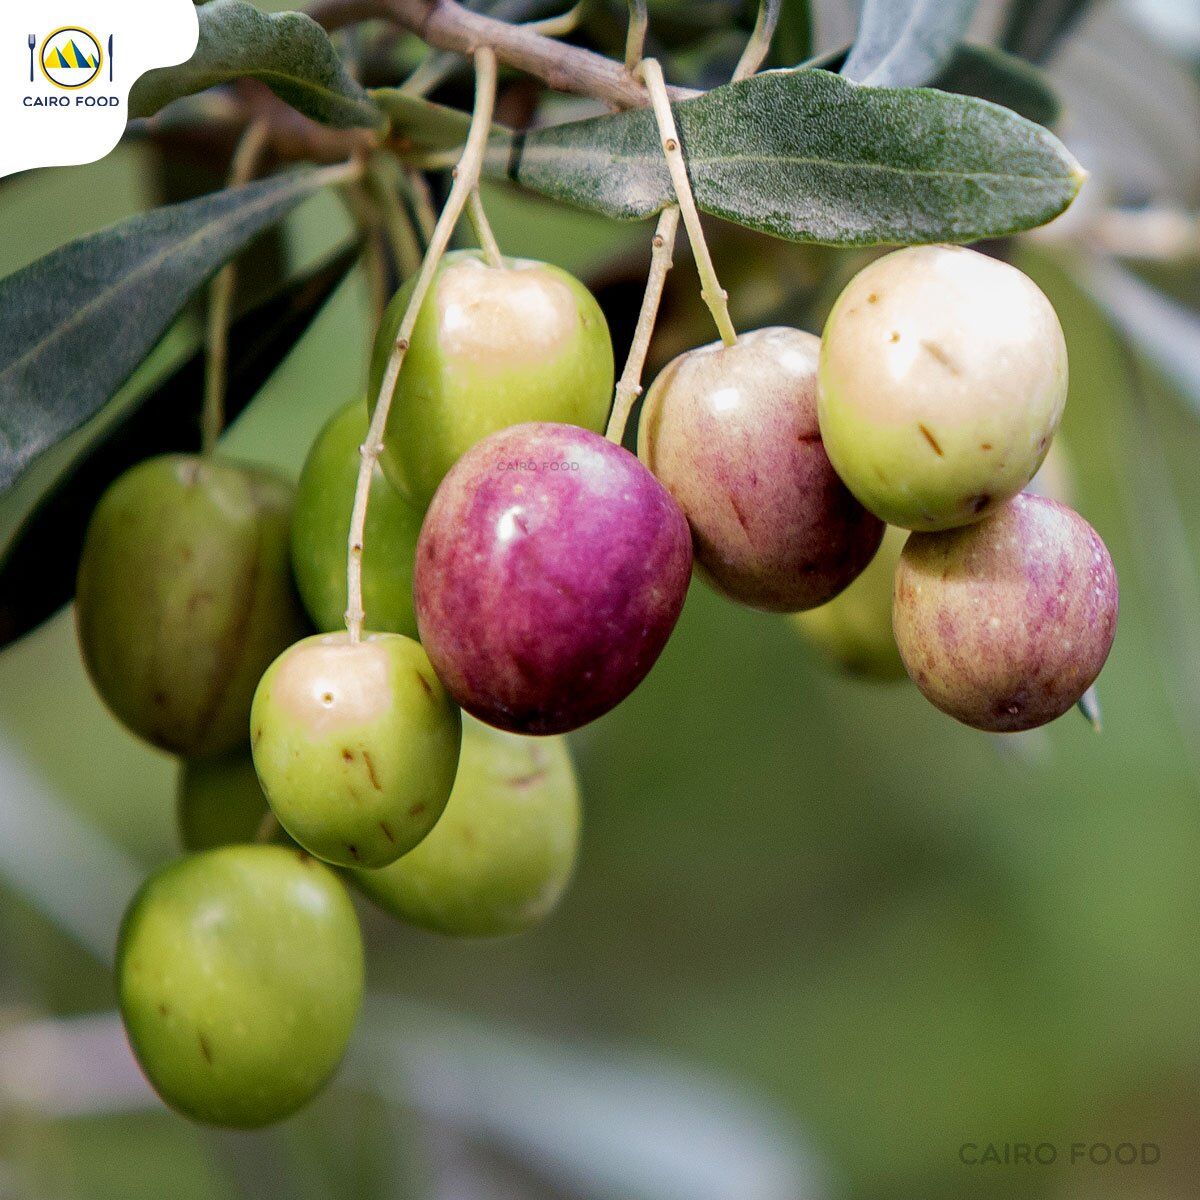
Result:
x=535 y=150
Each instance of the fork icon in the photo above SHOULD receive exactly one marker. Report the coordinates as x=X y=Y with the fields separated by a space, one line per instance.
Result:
x=32 y=44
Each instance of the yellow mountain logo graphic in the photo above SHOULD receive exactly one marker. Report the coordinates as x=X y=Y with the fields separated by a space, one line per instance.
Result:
x=70 y=56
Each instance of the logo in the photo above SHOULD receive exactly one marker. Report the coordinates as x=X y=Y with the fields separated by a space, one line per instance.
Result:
x=71 y=57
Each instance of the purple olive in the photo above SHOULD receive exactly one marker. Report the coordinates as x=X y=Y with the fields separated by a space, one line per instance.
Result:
x=732 y=433
x=1006 y=623
x=550 y=571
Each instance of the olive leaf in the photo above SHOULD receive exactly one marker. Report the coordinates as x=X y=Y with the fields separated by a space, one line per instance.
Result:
x=1034 y=27
x=415 y=123
x=810 y=156
x=75 y=324
x=37 y=567
x=287 y=51
x=902 y=43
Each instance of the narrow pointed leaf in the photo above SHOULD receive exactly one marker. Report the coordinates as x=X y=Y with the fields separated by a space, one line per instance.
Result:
x=810 y=156
x=415 y=123
x=37 y=568
x=287 y=51
x=75 y=324
x=903 y=43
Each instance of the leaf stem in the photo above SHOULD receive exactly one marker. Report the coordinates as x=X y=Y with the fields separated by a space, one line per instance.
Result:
x=629 y=386
x=635 y=37
x=466 y=177
x=246 y=158
x=759 y=44
x=710 y=286
x=483 y=229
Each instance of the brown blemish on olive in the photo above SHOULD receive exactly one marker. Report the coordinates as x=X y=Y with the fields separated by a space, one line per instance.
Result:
x=387 y=832
x=353 y=851
x=873 y=298
x=980 y=502
x=937 y=449
x=985 y=445
x=895 y=336
x=347 y=754
x=163 y=1010
x=369 y=762
x=425 y=684
x=940 y=356
x=205 y=1048
x=417 y=809
x=527 y=780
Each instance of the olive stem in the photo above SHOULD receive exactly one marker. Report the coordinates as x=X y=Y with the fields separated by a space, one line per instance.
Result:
x=711 y=291
x=268 y=828
x=629 y=386
x=760 y=40
x=483 y=230
x=466 y=176
x=246 y=158
x=635 y=38
x=421 y=199
x=397 y=225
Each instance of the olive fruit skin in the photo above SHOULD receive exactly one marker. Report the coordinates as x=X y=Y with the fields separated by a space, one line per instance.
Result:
x=219 y=802
x=321 y=526
x=731 y=432
x=492 y=347
x=1006 y=623
x=551 y=569
x=184 y=596
x=942 y=380
x=854 y=629
x=503 y=852
x=356 y=745
x=239 y=979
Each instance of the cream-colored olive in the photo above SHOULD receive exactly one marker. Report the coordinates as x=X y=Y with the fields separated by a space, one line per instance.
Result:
x=942 y=380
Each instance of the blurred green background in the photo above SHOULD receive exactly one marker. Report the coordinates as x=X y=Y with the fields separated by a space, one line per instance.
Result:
x=853 y=934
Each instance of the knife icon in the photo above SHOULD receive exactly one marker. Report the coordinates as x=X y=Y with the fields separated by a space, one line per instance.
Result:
x=110 y=40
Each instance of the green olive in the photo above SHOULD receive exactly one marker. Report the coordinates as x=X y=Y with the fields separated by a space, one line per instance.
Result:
x=492 y=347
x=356 y=745
x=184 y=597
x=502 y=854
x=219 y=802
x=240 y=977
x=854 y=629
x=321 y=526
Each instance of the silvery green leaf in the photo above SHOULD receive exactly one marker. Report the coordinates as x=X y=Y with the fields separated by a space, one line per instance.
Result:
x=288 y=51
x=810 y=156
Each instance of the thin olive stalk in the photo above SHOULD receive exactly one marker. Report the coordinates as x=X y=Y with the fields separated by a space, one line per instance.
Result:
x=710 y=286
x=246 y=159
x=759 y=44
x=629 y=386
x=466 y=178
x=635 y=38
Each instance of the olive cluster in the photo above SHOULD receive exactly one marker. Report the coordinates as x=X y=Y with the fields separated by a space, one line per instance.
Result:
x=522 y=569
